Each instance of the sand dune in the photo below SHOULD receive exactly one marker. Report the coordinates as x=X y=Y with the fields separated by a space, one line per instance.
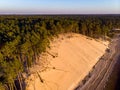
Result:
x=70 y=58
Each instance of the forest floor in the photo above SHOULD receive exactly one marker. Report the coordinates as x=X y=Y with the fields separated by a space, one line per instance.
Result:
x=68 y=60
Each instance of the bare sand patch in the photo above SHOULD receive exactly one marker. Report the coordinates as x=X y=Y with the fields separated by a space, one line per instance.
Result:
x=70 y=58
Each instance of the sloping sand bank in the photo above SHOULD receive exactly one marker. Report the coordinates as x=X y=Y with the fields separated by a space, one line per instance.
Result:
x=70 y=58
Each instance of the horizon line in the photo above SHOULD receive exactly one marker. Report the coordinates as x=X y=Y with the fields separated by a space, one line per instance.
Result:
x=64 y=14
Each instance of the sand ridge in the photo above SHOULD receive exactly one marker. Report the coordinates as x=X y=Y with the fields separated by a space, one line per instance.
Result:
x=70 y=58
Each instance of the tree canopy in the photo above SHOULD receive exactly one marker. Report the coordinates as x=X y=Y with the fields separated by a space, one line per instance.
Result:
x=23 y=38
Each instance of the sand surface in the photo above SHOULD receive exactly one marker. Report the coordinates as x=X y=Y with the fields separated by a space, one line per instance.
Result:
x=66 y=63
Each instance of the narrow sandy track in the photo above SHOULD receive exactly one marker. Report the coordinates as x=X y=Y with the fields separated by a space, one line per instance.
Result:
x=101 y=72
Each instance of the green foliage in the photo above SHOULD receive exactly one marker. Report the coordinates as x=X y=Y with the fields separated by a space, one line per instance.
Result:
x=23 y=38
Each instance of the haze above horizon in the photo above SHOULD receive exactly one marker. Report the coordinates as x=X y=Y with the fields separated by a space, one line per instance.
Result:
x=60 y=7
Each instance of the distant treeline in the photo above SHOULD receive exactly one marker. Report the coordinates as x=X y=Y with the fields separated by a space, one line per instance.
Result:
x=23 y=38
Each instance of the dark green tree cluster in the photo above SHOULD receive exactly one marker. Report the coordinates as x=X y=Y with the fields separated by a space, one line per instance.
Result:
x=23 y=38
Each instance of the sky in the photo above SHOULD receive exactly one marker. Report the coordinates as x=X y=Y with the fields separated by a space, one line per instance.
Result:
x=59 y=6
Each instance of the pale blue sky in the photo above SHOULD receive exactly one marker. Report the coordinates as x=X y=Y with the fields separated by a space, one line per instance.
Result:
x=59 y=6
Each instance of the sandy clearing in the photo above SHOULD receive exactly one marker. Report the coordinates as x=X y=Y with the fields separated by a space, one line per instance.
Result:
x=75 y=58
